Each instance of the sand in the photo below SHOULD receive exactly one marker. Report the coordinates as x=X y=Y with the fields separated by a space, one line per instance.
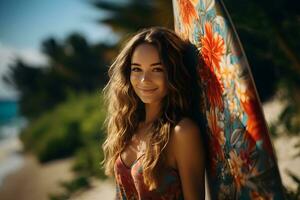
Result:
x=287 y=160
x=100 y=190
x=34 y=181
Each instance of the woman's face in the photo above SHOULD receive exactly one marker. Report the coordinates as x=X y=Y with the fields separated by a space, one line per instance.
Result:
x=148 y=75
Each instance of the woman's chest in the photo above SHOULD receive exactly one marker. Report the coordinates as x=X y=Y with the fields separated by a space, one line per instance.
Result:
x=137 y=147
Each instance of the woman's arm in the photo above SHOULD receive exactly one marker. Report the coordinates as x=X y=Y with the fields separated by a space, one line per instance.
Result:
x=189 y=155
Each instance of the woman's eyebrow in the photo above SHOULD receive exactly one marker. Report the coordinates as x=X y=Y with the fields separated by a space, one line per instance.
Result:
x=136 y=64
x=153 y=64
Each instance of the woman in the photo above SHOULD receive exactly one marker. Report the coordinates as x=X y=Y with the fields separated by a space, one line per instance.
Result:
x=154 y=148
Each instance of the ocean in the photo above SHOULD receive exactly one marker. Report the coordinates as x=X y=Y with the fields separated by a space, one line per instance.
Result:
x=11 y=124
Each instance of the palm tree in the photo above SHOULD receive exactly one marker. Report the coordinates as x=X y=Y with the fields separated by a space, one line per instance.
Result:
x=128 y=17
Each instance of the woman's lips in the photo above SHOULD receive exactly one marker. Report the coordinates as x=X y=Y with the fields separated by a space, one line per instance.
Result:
x=147 y=90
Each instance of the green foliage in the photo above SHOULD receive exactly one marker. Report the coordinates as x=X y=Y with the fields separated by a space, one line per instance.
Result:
x=267 y=30
x=72 y=128
x=69 y=126
x=70 y=187
x=88 y=160
x=132 y=15
x=74 y=65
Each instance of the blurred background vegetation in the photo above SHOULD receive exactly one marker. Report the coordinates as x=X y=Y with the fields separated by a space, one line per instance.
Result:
x=63 y=101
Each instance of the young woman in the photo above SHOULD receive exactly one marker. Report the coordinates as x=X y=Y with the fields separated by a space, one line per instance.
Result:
x=154 y=147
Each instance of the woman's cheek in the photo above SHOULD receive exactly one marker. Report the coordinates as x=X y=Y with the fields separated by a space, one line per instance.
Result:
x=133 y=79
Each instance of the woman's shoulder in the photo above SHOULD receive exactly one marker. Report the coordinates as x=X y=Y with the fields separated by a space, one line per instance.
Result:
x=186 y=131
x=185 y=142
x=186 y=126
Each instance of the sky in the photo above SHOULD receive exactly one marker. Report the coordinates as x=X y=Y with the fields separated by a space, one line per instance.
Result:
x=25 y=24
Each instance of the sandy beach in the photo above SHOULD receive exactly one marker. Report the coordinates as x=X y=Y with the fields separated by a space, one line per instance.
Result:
x=99 y=190
x=34 y=181
x=287 y=159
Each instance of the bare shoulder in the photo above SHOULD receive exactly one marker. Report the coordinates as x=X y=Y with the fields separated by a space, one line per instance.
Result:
x=186 y=138
x=186 y=123
x=186 y=129
x=189 y=157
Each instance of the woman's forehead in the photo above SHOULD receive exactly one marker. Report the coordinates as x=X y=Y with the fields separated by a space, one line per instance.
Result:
x=145 y=53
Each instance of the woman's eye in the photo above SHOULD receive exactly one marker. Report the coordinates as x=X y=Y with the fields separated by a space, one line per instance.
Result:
x=157 y=69
x=135 y=69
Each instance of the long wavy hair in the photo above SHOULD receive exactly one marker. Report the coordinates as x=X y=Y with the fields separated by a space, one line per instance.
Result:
x=125 y=110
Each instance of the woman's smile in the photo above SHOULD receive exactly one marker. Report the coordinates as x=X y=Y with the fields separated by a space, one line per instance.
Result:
x=147 y=91
x=148 y=76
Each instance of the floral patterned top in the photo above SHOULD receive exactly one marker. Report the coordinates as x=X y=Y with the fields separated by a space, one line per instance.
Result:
x=130 y=183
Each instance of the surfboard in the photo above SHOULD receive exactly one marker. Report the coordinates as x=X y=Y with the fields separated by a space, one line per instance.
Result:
x=241 y=162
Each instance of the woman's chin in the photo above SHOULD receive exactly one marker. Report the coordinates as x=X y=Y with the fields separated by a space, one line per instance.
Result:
x=148 y=100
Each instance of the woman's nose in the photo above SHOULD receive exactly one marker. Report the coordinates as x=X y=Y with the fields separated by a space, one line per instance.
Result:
x=145 y=77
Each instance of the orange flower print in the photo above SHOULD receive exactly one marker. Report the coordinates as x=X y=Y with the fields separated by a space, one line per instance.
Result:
x=194 y=2
x=212 y=47
x=256 y=123
x=256 y=196
x=218 y=138
x=236 y=164
x=212 y=87
x=224 y=191
x=242 y=91
x=187 y=13
x=228 y=71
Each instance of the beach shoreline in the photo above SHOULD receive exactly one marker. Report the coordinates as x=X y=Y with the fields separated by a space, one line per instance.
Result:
x=35 y=181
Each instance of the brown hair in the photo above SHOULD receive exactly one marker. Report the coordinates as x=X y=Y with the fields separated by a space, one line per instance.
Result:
x=125 y=110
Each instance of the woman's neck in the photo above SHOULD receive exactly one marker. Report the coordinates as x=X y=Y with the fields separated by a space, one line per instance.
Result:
x=152 y=112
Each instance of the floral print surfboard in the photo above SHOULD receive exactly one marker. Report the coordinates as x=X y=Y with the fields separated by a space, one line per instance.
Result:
x=241 y=161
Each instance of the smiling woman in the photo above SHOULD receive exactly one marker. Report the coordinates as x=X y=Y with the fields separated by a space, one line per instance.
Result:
x=154 y=146
x=147 y=74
